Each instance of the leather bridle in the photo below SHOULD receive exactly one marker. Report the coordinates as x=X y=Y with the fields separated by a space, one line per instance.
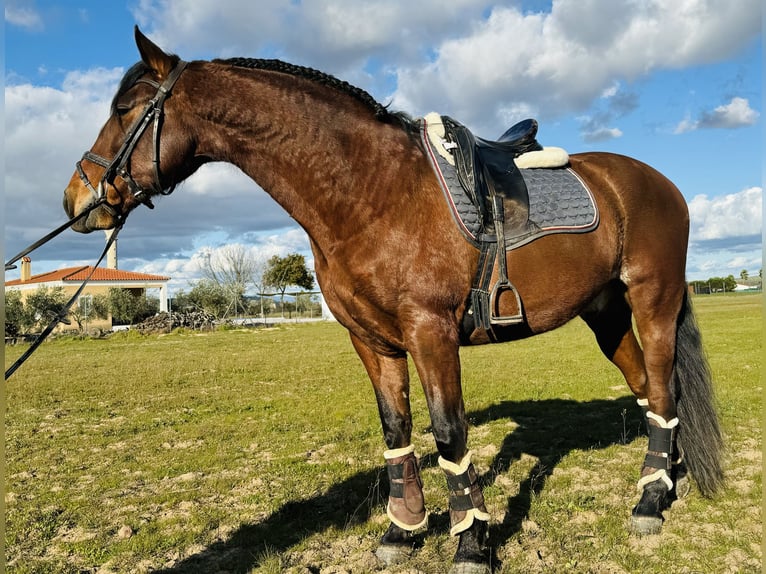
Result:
x=118 y=165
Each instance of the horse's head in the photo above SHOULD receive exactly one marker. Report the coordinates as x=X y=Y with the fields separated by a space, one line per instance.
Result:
x=142 y=150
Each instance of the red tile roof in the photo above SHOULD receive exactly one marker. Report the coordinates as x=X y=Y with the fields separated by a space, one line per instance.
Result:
x=78 y=274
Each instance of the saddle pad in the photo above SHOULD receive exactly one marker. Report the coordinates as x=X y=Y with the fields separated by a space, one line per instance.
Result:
x=559 y=201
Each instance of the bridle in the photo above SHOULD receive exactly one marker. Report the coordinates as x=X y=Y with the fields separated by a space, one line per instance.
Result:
x=118 y=165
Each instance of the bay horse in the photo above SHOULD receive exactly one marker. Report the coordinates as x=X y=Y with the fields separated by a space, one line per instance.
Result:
x=397 y=272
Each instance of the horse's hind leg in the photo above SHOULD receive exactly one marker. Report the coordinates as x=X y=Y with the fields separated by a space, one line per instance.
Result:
x=648 y=374
x=406 y=507
x=609 y=316
x=656 y=305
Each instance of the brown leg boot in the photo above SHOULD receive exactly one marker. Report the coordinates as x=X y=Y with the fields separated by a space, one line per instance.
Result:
x=406 y=506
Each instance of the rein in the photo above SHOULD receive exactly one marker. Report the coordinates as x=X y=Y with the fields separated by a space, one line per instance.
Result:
x=43 y=240
x=61 y=316
x=117 y=166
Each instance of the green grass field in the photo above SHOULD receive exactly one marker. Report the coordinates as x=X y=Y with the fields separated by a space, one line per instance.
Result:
x=261 y=451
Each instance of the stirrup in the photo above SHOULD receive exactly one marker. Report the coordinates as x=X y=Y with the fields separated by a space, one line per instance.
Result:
x=499 y=288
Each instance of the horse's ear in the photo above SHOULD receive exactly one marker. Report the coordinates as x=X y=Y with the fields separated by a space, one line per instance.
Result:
x=153 y=56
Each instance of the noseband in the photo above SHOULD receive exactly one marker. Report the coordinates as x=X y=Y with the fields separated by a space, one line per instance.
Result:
x=117 y=166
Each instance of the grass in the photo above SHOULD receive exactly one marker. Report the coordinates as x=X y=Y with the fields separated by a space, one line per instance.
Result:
x=261 y=451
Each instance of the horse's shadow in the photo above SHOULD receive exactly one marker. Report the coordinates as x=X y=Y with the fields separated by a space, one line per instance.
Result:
x=548 y=430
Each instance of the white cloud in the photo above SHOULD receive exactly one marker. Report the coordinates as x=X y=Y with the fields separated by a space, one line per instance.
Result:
x=467 y=58
x=333 y=35
x=46 y=131
x=736 y=114
x=22 y=16
x=601 y=134
x=484 y=63
x=728 y=216
x=725 y=234
x=561 y=61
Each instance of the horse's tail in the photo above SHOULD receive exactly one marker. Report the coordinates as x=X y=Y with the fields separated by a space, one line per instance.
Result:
x=699 y=434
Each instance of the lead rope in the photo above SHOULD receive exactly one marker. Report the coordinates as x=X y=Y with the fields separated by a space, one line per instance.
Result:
x=61 y=316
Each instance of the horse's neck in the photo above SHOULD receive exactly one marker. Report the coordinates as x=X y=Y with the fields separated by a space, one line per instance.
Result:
x=312 y=153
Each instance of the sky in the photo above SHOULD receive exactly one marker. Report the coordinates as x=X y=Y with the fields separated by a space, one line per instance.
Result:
x=675 y=83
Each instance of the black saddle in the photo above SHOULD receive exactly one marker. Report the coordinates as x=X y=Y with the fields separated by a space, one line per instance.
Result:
x=486 y=170
x=492 y=180
x=518 y=139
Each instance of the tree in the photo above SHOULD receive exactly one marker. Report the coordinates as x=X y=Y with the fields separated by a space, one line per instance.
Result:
x=725 y=284
x=281 y=272
x=89 y=307
x=232 y=268
x=14 y=313
x=743 y=275
x=130 y=306
x=41 y=306
x=208 y=296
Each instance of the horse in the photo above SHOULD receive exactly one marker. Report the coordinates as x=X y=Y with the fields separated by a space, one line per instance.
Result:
x=397 y=272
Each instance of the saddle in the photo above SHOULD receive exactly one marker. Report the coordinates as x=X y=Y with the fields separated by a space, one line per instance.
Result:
x=503 y=195
x=487 y=172
x=489 y=175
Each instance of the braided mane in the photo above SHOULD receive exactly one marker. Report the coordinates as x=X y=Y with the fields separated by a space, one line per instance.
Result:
x=310 y=74
x=381 y=112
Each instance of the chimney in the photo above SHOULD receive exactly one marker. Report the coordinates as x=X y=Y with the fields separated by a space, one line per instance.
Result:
x=26 y=268
x=111 y=255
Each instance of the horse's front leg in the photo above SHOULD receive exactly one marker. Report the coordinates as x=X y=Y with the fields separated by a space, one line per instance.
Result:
x=435 y=351
x=406 y=505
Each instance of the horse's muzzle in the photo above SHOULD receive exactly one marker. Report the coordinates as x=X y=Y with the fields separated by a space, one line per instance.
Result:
x=98 y=217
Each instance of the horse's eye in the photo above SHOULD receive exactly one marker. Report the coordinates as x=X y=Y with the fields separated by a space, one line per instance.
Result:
x=123 y=109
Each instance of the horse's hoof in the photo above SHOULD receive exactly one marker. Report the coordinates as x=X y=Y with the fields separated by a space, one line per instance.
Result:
x=645 y=525
x=393 y=554
x=470 y=568
x=683 y=486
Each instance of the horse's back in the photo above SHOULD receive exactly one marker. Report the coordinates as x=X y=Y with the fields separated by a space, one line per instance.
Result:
x=640 y=192
x=652 y=214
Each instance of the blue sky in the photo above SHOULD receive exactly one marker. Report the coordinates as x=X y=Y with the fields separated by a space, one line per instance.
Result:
x=674 y=83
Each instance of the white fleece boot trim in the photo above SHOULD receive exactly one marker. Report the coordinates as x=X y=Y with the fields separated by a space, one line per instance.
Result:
x=402 y=525
x=467 y=522
x=672 y=423
x=456 y=468
x=643 y=402
x=397 y=452
x=661 y=474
